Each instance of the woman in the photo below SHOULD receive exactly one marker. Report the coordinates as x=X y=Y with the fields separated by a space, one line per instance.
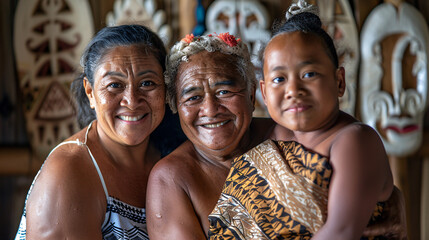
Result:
x=211 y=84
x=93 y=185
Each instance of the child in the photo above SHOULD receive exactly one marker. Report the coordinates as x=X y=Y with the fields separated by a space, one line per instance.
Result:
x=330 y=177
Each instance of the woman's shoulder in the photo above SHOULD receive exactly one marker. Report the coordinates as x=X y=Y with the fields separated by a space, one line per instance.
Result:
x=67 y=188
x=68 y=161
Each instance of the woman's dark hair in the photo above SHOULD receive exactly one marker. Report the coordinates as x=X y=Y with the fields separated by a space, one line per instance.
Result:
x=310 y=23
x=106 y=39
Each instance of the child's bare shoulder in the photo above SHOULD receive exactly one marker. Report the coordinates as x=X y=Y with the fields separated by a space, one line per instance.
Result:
x=358 y=138
x=357 y=131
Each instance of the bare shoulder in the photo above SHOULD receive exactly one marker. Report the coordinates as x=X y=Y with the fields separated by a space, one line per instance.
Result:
x=358 y=133
x=67 y=161
x=68 y=167
x=169 y=207
x=176 y=167
x=66 y=195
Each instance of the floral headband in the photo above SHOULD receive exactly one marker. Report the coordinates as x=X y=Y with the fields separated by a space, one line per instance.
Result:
x=229 y=39
x=190 y=45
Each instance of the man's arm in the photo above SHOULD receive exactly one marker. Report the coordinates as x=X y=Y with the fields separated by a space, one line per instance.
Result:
x=170 y=213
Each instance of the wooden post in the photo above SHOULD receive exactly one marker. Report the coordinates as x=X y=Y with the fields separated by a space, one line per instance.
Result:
x=187 y=19
x=400 y=176
x=424 y=214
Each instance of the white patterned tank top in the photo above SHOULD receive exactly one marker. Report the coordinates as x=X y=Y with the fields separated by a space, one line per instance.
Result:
x=122 y=221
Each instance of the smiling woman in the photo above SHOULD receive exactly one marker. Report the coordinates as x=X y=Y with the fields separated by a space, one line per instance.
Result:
x=128 y=92
x=93 y=185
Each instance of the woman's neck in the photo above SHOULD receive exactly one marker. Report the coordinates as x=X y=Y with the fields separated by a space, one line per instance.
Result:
x=121 y=154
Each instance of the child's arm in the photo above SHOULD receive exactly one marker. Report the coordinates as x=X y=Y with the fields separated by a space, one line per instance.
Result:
x=361 y=177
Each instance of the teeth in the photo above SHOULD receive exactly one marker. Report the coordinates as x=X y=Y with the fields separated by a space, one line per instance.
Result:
x=131 y=118
x=215 y=125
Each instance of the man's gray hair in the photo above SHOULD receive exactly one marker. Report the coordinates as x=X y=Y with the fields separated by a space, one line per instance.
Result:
x=190 y=45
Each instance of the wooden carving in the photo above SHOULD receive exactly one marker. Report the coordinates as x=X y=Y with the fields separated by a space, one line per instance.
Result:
x=49 y=38
x=393 y=76
x=141 y=12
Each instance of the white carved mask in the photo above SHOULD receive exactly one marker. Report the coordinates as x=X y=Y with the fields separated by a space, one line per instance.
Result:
x=395 y=106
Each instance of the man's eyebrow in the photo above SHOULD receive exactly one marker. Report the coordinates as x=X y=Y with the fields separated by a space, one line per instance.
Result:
x=225 y=82
x=188 y=90
x=220 y=83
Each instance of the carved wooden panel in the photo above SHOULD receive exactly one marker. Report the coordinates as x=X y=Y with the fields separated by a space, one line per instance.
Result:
x=49 y=39
x=393 y=76
x=143 y=12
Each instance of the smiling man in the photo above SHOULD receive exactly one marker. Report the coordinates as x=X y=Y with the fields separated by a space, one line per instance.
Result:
x=211 y=84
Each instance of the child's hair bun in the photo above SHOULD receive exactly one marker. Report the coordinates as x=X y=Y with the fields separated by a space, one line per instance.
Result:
x=300 y=7
x=305 y=21
x=300 y=16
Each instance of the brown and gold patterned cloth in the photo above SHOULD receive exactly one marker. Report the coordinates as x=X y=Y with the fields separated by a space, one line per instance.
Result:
x=279 y=190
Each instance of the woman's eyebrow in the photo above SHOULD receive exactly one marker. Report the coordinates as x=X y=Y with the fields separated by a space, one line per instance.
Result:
x=146 y=72
x=113 y=73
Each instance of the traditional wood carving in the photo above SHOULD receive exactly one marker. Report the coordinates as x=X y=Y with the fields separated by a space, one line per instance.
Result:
x=143 y=12
x=424 y=214
x=49 y=38
x=338 y=20
x=250 y=21
x=393 y=76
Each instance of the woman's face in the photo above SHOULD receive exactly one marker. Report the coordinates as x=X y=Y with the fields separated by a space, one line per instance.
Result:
x=128 y=94
x=213 y=101
x=301 y=85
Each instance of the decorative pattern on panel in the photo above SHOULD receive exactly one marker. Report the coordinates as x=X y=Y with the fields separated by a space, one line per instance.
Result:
x=248 y=20
x=393 y=76
x=49 y=38
x=141 y=12
x=337 y=17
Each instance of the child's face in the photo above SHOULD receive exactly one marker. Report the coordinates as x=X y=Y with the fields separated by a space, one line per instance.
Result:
x=301 y=84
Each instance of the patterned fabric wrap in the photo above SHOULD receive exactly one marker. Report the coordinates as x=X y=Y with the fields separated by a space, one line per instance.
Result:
x=277 y=190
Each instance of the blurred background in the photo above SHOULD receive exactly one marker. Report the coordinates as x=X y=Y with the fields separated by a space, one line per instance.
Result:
x=383 y=46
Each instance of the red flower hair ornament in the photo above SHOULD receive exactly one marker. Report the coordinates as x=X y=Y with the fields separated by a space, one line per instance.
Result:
x=227 y=38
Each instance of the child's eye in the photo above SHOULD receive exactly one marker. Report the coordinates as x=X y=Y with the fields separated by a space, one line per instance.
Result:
x=278 y=79
x=309 y=74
